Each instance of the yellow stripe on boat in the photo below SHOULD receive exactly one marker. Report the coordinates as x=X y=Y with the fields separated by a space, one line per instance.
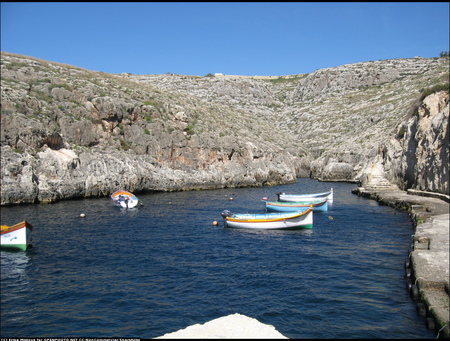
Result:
x=268 y=220
x=22 y=224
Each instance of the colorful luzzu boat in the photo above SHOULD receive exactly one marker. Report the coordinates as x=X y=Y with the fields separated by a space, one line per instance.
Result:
x=17 y=236
x=269 y=221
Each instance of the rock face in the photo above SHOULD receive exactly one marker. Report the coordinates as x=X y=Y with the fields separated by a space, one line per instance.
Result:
x=341 y=79
x=418 y=158
x=67 y=132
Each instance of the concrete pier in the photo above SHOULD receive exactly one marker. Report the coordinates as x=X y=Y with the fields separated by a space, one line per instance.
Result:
x=429 y=258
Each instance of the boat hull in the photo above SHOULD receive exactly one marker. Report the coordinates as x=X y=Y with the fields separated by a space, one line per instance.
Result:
x=306 y=197
x=285 y=206
x=17 y=236
x=270 y=221
x=125 y=199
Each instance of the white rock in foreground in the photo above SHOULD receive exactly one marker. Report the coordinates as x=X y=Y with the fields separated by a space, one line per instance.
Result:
x=234 y=326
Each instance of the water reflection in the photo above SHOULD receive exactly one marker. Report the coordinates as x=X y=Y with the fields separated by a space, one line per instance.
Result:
x=15 y=287
x=14 y=265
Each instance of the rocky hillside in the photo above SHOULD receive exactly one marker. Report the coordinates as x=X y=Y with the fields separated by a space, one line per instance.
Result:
x=67 y=132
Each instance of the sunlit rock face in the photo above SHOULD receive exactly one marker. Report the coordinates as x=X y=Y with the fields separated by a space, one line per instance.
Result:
x=68 y=133
x=418 y=157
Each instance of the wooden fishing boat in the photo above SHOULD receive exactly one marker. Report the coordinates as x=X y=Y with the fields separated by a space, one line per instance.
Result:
x=305 y=197
x=125 y=199
x=269 y=221
x=17 y=236
x=287 y=206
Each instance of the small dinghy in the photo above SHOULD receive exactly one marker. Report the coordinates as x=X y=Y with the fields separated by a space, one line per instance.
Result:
x=125 y=199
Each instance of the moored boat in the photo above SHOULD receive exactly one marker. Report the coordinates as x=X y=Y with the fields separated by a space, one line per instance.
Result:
x=305 y=197
x=125 y=199
x=269 y=221
x=17 y=236
x=287 y=206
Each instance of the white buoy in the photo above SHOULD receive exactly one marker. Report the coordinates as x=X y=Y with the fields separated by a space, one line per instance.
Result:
x=82 y=215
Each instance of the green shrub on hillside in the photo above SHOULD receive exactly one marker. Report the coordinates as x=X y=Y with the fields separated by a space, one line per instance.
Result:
x=434 y=89
x=414 y=110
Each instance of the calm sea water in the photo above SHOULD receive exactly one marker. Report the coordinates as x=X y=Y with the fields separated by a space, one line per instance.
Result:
x=162 y=267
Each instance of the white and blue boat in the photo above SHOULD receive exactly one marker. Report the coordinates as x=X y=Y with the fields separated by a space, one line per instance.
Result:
x=305 y=197
x=286 y=206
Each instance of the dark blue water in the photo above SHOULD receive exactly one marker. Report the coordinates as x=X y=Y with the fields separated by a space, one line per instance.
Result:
x=160 y=268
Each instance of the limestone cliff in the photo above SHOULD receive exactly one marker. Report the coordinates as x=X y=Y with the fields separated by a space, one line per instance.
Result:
x=418 y=156
x=67 y=132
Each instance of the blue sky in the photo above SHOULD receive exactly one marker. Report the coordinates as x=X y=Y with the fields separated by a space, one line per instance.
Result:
x=236 y=38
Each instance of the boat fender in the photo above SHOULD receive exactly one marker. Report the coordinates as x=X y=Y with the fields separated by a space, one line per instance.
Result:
x=421 y=309
x=408 y=273
x=431 y=324
x=407 y=264
x=408 y=284
x=414 y=292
